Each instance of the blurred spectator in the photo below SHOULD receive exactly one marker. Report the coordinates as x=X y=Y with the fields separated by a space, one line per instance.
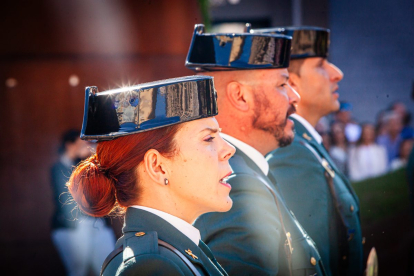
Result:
x=339 y=147
x=352 y=129
x=82 y=242
x=404 y=152
x=367 y=159
x=392 y=138
x=407 y=131
x=380 y=125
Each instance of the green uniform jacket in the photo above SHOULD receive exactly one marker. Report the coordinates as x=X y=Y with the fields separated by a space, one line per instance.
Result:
x=143 y=256
x=249 y=239
x=300 y=178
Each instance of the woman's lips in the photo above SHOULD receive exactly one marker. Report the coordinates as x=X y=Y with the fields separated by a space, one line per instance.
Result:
x=223 y=181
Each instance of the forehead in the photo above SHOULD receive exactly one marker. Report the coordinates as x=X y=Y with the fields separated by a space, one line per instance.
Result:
x=313 y=60
x=199 y=125
x=267 y=76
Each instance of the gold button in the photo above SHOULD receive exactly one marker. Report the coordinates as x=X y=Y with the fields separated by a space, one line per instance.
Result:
x=139 y=234
x=363 y=240
x=352 y=208
x=313 y=261
x=344 y=258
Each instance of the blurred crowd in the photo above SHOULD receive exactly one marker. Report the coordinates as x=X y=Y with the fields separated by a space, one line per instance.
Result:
x=365 y=150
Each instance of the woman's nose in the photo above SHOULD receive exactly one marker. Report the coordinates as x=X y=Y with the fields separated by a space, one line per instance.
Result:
x=228 y=150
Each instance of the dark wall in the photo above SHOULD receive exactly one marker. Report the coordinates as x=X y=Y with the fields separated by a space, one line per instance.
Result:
x=103 y=43
x=372 y=42
x=271 y=13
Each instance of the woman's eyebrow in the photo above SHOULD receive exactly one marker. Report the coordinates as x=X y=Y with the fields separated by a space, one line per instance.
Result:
x=212 y=130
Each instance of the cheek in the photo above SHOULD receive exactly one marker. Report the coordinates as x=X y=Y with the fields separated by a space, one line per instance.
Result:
x=199 y=166
x=277 y=110
x=279 y=114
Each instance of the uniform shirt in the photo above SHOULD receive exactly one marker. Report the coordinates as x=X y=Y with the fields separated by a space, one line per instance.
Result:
x=184 y=227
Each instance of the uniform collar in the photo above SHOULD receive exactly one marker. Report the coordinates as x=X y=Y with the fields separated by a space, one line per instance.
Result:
x=138 y=220
x=184 y=227
x=251 y=152
x=308 y=127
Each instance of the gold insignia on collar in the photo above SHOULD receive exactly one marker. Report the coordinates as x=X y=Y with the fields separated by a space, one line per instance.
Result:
x=306 y=136
x=288 y=242
x=188 y=251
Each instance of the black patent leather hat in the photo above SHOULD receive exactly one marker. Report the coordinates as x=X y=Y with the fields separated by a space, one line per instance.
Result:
x=306 y=41
x=130 y=110
x=237 y=51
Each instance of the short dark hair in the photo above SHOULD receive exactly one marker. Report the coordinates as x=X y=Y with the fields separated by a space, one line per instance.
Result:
x=69 y=136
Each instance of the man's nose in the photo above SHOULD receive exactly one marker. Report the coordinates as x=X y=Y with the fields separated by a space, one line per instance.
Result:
x=294 y=97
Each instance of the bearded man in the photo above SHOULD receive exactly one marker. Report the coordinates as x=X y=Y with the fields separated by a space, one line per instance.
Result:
x=259 y=235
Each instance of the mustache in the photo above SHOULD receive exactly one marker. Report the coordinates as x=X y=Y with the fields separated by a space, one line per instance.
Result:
x=291 y=110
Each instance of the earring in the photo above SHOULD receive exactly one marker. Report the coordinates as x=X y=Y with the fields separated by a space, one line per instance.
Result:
x=166 y=181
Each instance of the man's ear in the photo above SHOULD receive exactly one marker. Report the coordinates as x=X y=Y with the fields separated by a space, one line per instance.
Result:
x=239 y=95
x=155 y=167
x=294 y=82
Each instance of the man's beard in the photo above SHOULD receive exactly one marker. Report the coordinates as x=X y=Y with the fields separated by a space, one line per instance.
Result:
x=277 y=130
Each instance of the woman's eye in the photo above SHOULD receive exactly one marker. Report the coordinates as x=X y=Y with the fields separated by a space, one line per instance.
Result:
x=209 y=139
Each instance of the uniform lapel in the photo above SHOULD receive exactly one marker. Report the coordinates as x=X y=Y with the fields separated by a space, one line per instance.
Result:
x=304 y=135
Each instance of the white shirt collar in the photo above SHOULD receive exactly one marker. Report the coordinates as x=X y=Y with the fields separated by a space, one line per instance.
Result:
x=251 y=152
x=309 y=127
x=184 y=227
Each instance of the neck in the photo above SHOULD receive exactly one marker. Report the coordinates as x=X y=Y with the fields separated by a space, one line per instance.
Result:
x=310 y=116
x=182 y=211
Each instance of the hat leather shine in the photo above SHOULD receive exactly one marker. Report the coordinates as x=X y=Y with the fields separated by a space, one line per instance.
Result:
x=306 y=41
x=130 y=110
x=237 y=51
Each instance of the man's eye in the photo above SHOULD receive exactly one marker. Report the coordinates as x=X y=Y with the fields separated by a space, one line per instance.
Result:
x=320 y=63
x=209 y=139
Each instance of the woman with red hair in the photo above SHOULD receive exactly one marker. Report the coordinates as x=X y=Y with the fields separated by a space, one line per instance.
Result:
x=162 y=166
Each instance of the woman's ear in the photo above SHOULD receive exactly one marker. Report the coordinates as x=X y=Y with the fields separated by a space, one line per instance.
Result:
x=155 y=167
x=238 y=95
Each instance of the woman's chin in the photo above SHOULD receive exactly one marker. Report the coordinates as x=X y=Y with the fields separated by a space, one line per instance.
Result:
x=226 y=206
x=222 y=206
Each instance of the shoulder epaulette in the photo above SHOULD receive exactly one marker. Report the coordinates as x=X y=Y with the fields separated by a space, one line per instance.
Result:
x=140 y=243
